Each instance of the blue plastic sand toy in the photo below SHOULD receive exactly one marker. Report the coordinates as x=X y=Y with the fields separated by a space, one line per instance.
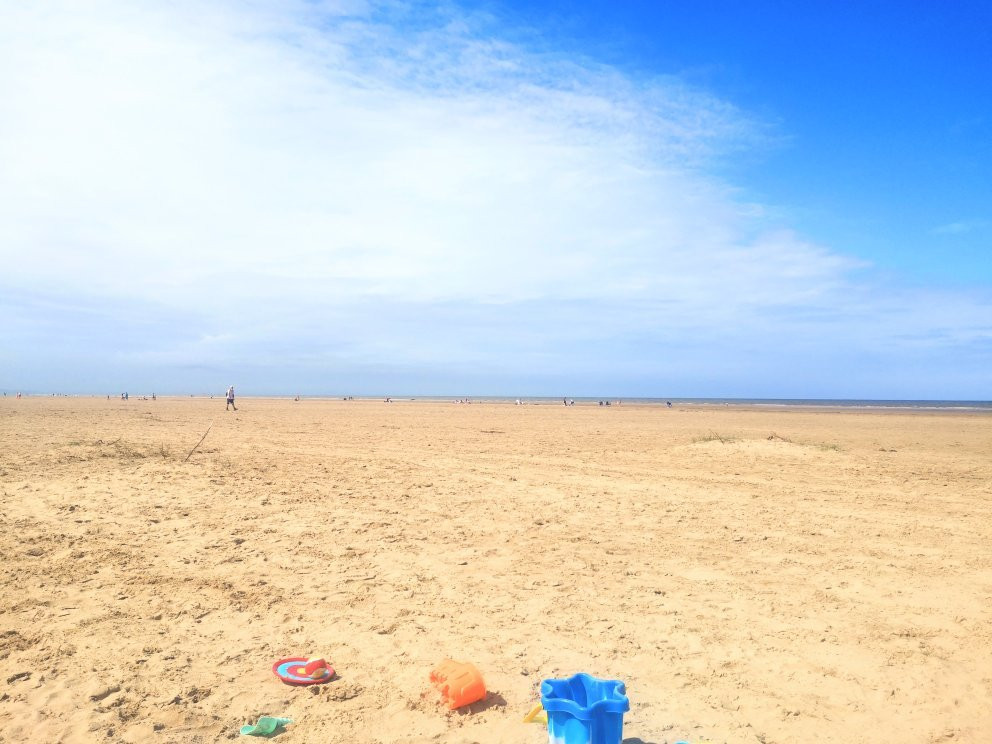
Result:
x=584 y=710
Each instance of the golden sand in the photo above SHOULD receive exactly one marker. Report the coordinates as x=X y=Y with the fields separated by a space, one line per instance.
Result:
x=752 y=575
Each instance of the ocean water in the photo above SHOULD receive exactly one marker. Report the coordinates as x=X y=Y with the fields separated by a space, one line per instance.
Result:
x=950 y=405
x=982 y=405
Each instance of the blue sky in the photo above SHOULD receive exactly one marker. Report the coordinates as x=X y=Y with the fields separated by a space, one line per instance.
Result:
x=542 y=198
x=881 y=111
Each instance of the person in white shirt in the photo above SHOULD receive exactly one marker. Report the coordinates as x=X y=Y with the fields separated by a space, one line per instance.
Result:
x=230 y=399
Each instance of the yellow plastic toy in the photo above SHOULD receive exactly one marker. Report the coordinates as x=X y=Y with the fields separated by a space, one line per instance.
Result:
x=537 y=715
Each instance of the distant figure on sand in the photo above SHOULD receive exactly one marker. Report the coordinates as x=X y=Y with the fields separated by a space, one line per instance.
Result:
x=230 y=399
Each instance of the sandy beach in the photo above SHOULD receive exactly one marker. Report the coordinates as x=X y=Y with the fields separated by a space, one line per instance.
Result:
x=753 y=575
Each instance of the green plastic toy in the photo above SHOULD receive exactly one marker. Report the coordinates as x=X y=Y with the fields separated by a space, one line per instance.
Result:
x=266 y=726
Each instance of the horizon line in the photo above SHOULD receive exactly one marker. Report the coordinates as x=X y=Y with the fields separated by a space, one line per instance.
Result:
x=397 y=397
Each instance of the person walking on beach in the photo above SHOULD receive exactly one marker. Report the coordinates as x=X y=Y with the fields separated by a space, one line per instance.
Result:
x=230 y=399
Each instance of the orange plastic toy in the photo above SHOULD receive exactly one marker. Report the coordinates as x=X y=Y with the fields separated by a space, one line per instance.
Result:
x=459 y=683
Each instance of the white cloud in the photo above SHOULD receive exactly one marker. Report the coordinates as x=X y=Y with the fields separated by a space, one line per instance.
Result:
x=959 y=228
x=426 y=167
x=356 y=182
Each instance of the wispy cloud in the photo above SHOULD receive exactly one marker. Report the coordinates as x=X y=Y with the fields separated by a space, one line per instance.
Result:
x=390 y=186
x=960 y=228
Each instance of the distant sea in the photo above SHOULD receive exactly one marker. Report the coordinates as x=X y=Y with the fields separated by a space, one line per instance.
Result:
x=950 y=405
x=984 y=405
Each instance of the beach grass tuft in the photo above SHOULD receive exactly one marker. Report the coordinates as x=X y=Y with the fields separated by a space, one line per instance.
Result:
x=714 y=437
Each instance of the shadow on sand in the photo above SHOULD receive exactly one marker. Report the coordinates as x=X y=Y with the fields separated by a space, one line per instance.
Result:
x=491 y=700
